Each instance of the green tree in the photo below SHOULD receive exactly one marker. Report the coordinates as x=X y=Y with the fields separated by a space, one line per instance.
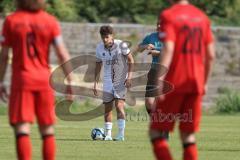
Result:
x=64 y=10
x=222 y=12
x=6 y=6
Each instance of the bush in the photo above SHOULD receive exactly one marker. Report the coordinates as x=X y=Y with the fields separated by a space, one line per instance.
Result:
x=224 y=90
x=64 y=10
x=6 y=6
x=228 y=102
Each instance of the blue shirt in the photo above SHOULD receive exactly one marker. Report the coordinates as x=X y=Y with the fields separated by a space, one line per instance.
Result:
x=154 y=40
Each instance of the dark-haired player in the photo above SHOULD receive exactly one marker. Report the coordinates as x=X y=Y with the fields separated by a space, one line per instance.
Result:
x=116 y=59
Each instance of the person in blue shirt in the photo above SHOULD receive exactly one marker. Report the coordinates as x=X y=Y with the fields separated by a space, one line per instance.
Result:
x=151 y=44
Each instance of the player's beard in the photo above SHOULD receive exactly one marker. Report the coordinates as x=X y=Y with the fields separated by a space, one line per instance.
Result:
x=109 y=45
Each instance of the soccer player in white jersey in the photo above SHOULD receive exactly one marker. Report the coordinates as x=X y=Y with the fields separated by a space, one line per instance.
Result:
x=116 y=59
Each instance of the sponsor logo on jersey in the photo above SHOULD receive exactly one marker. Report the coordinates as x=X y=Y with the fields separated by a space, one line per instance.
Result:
x=112 y=62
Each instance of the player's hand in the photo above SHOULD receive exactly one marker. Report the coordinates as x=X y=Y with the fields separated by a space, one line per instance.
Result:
x=128 y=83
x=149 y=47
x=95 y=92
x=3 y=93
x=205 y=88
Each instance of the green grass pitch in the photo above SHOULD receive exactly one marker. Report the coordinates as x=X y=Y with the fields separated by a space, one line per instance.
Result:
x=219 y=139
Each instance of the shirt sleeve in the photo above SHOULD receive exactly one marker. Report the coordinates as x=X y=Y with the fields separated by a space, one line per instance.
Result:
x=56 y=32
x=167 y=31
x=5 y=38
x=98 y=56
x=56 y=29
x=145 y=40
x=209 y=34
x=124 y=48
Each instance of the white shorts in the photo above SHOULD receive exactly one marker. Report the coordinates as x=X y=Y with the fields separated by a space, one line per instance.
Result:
x=111 y=92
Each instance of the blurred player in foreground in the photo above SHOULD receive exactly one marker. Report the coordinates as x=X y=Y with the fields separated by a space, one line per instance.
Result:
x=116 y=59
x=188 y=52
x=29 y=32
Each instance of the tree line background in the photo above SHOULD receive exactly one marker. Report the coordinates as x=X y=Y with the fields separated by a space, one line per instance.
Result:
x=222 y=12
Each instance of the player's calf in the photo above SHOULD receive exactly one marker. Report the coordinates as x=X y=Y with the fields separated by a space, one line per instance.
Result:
x=189 y=146
x=49 y=144
x=121 y=120
x=160 y=145
x=108 y=121
x=23 y=143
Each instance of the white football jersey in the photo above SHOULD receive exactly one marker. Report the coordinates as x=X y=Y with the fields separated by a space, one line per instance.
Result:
x=112 y=57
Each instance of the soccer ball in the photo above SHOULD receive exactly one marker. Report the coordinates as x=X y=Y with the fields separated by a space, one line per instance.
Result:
x=97 y=134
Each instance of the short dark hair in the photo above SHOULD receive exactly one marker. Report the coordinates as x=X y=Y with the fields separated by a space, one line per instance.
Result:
x=106 y=30
x=30 y=5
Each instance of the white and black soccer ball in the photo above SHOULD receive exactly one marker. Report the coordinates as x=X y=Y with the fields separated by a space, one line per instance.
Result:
x=97 y=134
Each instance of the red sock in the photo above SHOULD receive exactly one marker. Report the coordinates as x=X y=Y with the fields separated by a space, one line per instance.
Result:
x=161 y=150
x=49 y=147
x=190 y=152
x=24 y=148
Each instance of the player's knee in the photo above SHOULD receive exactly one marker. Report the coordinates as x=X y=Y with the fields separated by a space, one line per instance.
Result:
x=46 y=130
x=158 y=135
x=22 y=129
x=188 y=138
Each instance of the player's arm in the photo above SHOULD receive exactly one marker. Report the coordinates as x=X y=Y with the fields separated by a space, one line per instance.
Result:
x=130 y=70
x=142 y=47
x=154 y=52
x=98 y=68
x=210 y=56
x=167 y=56
x=167 y=52
x=3 y=67
x=210 y=53
x=168 y=37
x=63 y=57
x=145 y=45
x=6 y=42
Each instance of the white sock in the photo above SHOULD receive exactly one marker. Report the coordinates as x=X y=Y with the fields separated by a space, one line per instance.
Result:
x=121 y=127
x=108 y=129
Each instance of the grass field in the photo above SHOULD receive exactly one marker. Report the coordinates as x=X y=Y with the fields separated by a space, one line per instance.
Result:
x=219 y=139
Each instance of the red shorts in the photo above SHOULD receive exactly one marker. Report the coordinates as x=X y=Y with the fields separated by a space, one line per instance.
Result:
x=185 y=108
x=25 y=105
